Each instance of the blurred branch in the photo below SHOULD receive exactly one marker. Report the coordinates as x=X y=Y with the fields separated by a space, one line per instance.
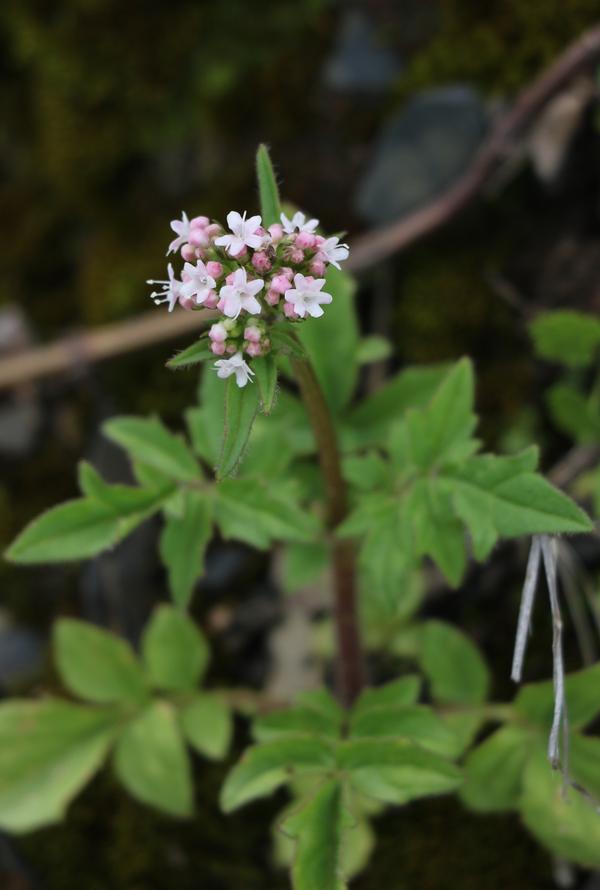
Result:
x=496 y=150
x=80 y=349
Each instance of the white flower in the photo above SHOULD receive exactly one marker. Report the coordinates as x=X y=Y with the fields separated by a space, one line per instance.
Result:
x=298 y=221
x=244 y=233
x=333 y=251
x=234 y=365
x=307 y=295
x=197 y=283
x=171 y=290
x=181 y=227
x=241 y=294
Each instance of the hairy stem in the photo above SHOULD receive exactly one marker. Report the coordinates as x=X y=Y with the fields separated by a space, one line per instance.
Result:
x=349 y=661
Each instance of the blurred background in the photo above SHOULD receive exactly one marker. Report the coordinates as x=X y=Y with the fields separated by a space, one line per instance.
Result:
x=118 y=116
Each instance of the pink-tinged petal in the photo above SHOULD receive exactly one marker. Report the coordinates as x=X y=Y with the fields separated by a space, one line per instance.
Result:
x=300 y=281
x=239 y=278
x=234 y=220
x=251 y=305
x=325 y=298
x=253 y=223
x=254 y=241
x=314 y=310
x=241 y=378
x=253 y=287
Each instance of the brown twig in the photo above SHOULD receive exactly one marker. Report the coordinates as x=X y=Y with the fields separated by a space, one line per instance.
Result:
x=498 y=147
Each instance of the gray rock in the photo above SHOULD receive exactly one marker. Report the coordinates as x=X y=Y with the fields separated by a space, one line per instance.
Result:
x=360 y=62
x=422 y=150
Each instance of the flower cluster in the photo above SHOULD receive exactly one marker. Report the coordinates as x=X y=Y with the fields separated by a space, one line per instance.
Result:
x=254 y=276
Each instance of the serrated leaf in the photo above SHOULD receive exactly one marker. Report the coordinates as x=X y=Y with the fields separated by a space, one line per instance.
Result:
x=331 y=341
x=152 y=762
x=265 y=767
x=241 y=405
x=294 y=721
x=535 y=701
x=418 y=723
x=207 y=725
x=566 y=336
x=124 y=500
x=317 y=828
x=183 y=543
x=72 y=531
x=267 y=188
x=48 y=751
x=494 y=771
x=148 y=441
x=198 y=352
x=174 y=651
x=453 y=665
x=396 y=770
x=397 y=693
x=435 y=531
x=97 y=665
x=265 y=369
x=573 y=413
x=560 y=818
x=247 y=511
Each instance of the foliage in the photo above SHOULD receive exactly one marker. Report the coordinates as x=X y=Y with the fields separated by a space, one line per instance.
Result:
x=420 y=488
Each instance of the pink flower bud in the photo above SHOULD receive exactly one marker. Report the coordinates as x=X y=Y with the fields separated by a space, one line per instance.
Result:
x=253 y=333
x=317 y=268
x=199 y=238
x=217 y=347
x=187 y=303
x=272 y=297
x=218 y=332
x=231 y=348
x=229 y=279
x=213 y=230
x=199 y=222
x=289 y=273
x=280 y=283
x=212 y=300
x=276 y=233
x=305 y=241
x=200 y=253
x=188 y=253
x=261 y=262
x=214 y=269
x=221 y=305
x=319 y=240
x=289 y=311
x=260 y=231
x=253 y=349
x=295 y=255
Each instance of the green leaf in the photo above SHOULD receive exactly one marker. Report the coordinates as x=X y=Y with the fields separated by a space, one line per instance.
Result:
x=368 y=472
x=373 y=349
x=584 y=763
x=317 y=827
x=265 y=368
x=197 y=352
x=331 y=341
x=369 y=422
x=436 y=533
x=573 y=413
x=396 y=770
x=183 y=542
x=494 y=771
x=453 y=665
x=175 y=652
x=247 y=511
x=294 y=721
x=147 y=440
x=535 y=701
x=404 y=691
x=95 y=664
x=263 y=768
x=48 y=751
x=267 y=188
x=560 y=818
x=322 y=700
x=441 y=432
x=566 y=336
x=241 y=405
x=304 y=564
x=418 y=723
x=152 y=762
x=124 y=500
x=207 y=725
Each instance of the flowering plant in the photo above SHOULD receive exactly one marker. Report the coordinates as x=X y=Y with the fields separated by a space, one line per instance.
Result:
x=370 y=487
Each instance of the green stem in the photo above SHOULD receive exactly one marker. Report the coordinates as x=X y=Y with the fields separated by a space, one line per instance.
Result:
x=349 y=660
